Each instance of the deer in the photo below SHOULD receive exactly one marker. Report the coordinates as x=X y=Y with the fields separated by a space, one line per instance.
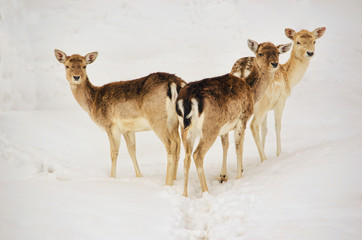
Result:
x=126 y=107
x=215 y=106
x=286 y=77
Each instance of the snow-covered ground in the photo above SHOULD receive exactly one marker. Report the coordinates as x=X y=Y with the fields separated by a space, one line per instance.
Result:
x=55 y=163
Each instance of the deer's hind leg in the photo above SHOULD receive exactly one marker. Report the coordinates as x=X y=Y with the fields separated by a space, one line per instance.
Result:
x=225 y=147
x=130 y=139
x=203 y=147
x=239 y=134
x=171 y=142
x=188 y=146
x=176 y=138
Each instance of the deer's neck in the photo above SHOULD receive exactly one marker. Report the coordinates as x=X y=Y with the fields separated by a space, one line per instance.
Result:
x=259 y=81
x=84 y=93
x=296 y=68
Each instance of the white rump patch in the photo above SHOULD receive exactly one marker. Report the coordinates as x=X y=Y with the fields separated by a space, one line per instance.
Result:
x=171 y=113
x=180 y=105
x=195 y=129
x=173 y=92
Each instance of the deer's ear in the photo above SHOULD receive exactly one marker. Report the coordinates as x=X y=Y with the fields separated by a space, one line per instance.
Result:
x=61 y=56
x=289 y=33
x=90 y=57
x=253 y=45
x=319 y=32
x=283 y=48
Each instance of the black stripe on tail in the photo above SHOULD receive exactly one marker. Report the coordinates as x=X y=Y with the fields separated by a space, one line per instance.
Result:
x=169 y=94
x=187 y=109
x=178 y=89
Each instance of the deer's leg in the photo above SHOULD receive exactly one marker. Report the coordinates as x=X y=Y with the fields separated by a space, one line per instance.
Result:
x=278 y=111
x=114 y=140
x=131 y=147
x=199 y=154
x=177 y=153
x=225 y=147
x=170 y=161
x=264 y=130
x=255 y=123
x=188 y=146
x=239 y=134
x=171 y=146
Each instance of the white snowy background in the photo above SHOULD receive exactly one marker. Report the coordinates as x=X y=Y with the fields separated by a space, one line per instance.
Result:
x=55 y=162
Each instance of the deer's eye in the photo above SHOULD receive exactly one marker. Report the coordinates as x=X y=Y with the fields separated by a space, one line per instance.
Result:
x=66 y=67
x=260 y=54
x=84 y=67
x=314 y=42
x=298 y=43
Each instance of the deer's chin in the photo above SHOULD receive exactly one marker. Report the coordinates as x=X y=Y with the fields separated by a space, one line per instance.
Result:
x=75 y=83
x=272 y=69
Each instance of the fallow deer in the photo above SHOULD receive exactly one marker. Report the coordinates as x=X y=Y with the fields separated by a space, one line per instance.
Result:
x=286 y=77
x=214 y=106
x=126 y=107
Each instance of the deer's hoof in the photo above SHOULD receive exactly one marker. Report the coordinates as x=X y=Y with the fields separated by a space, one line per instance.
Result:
x=223 y=178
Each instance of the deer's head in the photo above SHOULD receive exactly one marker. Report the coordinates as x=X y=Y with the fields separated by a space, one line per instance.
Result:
x=75 y=65
x=267 y=54
x=304 y=41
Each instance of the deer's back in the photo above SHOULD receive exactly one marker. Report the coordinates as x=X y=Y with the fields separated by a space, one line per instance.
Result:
x=132 y=100
x=225 y=97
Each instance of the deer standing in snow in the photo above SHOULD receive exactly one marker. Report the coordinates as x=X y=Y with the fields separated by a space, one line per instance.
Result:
x=127 y=107
x=286 y=77
x=214 y=106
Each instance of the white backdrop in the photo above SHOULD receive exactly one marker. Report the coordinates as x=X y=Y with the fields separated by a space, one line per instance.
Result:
x=194 y=39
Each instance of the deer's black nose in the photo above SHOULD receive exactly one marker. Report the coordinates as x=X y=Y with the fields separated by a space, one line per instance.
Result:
x=76 y=78
x=310 y=53
x=274 y=64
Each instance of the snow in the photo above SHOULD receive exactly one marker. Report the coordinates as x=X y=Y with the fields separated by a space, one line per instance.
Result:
x=55 y=162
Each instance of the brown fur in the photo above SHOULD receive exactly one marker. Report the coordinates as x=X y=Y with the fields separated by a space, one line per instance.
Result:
x=227 y=104
x=219 y=92
x=286 y=77
x=127 y=107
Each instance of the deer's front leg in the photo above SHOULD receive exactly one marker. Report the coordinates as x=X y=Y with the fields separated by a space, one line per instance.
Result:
x=278 y=112
x=114 y=141
x=254 y=125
